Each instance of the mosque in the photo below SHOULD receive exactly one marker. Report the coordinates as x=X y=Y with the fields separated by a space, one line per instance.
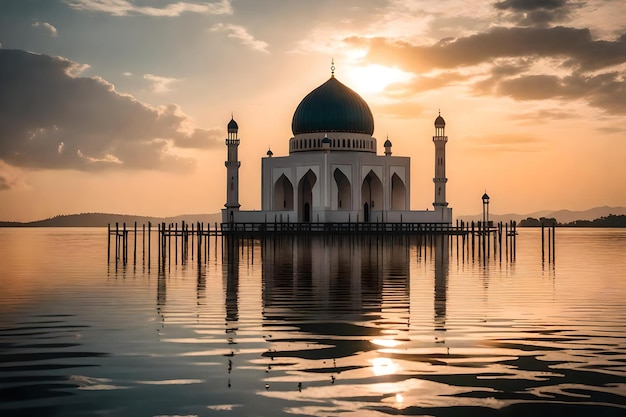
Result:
x=333 y=173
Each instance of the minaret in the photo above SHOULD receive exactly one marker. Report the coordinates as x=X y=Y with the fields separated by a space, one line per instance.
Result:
x=440 y=139
x=232 y=170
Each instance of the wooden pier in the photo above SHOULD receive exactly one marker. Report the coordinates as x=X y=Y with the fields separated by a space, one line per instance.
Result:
x=192 y=241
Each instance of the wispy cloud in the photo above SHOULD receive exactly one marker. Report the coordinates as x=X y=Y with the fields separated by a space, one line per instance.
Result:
x=128 y=7
x=160 y=84
x=47 y=26
x=241 y=33
x=506 y=143
x=10 y=177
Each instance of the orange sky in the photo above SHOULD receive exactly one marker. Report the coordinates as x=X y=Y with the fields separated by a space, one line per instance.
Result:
x=115 y=106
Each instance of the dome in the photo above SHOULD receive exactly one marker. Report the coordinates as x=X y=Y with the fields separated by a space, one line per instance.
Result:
x=332 y=107
x=232 y=126
x=439 y=122
x=485 y=197
x=387 y=143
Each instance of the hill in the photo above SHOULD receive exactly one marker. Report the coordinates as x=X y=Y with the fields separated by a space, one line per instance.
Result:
x=102 y=219
x=561 y=216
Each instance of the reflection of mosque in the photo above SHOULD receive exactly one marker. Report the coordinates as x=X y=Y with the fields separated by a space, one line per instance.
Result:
x=341 y=291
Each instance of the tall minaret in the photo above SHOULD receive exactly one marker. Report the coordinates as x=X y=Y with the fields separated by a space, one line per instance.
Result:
x=440 y=139
x=232 y=170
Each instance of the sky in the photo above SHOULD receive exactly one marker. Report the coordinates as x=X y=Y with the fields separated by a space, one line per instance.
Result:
x=121 y=106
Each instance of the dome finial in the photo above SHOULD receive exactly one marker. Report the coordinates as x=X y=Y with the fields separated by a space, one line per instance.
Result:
x=332 y=67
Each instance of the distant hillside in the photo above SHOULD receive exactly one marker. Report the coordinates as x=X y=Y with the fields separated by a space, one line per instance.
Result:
x=562 y=216
x=102 y=219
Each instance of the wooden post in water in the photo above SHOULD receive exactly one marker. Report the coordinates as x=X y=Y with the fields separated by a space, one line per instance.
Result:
x=149 y=233
x=193 y=236
x=549 y=244
x=169 y=243
x=175 y=243
x=124 y=243
x=108 y=242
x=553 y=241
x=117 y=240
x=135 y=245
x=543 y=249
x=514 y=239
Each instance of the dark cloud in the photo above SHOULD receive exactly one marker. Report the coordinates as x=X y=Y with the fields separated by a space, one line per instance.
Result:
x=51 y=118
x=606 y=91
x=529 y=5
x=511 y=54
x=536 y=12
x=574 y=44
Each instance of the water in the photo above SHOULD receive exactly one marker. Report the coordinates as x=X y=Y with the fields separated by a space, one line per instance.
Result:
x=313 y=327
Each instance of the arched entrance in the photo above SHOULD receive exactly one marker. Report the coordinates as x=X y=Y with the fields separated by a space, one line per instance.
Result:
x=371 y=196
x=305 y=196
x=283 y=194
x=344 y=192
x=398 y=193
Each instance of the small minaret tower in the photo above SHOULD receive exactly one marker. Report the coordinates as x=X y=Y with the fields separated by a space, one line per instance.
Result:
x=232 y=170
x=440 y=139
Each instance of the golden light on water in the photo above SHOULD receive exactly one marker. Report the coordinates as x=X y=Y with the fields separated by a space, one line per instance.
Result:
x=384 y=366
x=388 y=343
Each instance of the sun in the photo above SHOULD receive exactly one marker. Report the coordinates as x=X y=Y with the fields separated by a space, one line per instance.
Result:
x=374 y=78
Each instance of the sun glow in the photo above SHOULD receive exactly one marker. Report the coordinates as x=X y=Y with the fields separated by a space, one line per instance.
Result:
x=389 y=343
x=375 y=78
x=384 y=366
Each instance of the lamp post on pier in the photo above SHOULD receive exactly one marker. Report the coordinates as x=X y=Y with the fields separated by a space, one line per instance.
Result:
x=485 y=198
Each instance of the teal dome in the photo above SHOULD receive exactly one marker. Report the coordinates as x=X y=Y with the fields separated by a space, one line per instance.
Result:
x=332 y=107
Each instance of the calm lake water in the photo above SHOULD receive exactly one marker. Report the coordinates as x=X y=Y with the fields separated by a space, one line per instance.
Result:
x=313 y=327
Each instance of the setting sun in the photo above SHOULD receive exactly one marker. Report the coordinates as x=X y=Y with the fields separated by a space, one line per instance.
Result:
x=375 y=78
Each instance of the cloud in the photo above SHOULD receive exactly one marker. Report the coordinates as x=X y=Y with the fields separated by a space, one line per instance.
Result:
x=605 y=91
x=505 y=143
x=241 y=33
x=128 y=7
x=529 y=5
x=160 y=84
x=520 y=62
x=537 y=12
x=10 y=177
x=47 y=26
x=52 y=119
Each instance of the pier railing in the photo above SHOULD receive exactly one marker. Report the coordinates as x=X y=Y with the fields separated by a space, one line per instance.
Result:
x=195 y=238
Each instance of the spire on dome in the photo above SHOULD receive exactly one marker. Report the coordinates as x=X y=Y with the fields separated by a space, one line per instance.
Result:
x=332 y=68
x=232 y=125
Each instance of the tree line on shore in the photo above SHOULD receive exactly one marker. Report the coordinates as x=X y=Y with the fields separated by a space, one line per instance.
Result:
x=611 y=220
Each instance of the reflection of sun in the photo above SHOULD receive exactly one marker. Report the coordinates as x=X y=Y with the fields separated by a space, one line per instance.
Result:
x=390 y=343
x=384 y=366
x=375 y=78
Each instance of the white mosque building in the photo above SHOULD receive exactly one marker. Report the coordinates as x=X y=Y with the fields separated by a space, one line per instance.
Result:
x=333 y=173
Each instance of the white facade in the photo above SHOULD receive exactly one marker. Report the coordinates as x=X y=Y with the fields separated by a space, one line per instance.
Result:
x=335 y=176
